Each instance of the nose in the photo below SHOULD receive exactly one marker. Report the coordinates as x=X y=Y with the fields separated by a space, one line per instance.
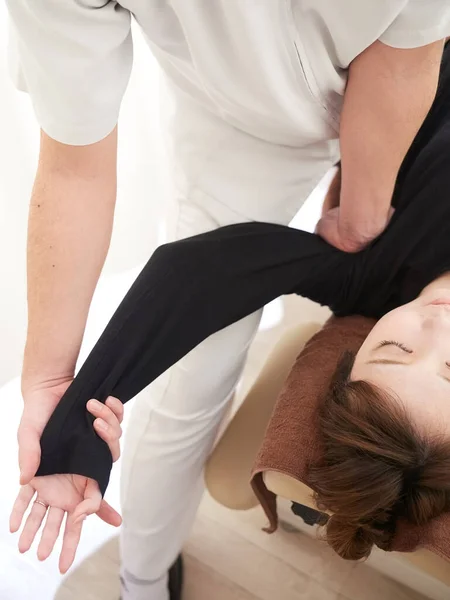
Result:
x=436 y=324
x=437 y=317
x=436 y=332
x=430 y=322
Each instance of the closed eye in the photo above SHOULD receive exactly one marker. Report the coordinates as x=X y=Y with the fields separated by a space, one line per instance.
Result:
x=385 y=343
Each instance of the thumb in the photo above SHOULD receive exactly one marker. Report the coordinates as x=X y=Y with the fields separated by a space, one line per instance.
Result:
x=107 y=514
x=29 y=453
x=90 y=503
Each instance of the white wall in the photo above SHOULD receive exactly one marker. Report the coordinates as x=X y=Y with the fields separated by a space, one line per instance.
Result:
x=141 y=197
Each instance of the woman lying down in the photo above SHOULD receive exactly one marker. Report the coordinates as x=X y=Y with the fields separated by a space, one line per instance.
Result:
x=387 y=431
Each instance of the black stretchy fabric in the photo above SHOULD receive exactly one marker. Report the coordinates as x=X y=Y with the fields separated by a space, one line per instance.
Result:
x=192 y=288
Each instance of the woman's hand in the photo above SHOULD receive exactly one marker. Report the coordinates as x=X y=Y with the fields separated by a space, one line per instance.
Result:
x=78 y=496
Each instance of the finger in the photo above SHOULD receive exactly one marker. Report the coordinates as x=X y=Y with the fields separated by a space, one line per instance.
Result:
x=109 y=436
x=107 y=433
x=21 y=504
x=329 y=202
x=116 y=406
x=107 y=514
x=74 y=524
x=32 y=526
x=29 y=453
x=51 y=532
x=107 y=424
x=106 y=414
x=71 y=539
x=90 y=504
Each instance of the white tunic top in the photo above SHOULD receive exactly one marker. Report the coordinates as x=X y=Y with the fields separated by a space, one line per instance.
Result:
x=273 y=68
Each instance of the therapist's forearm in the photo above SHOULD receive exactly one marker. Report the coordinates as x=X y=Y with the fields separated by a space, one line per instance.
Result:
x=388 y=95
x=70 y=223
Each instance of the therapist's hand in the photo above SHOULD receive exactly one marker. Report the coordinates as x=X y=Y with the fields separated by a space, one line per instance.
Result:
x=40 y=400
x=333 y=195
x=74 y=496
x=328 y=226
x=345 y=238
x=55 y=497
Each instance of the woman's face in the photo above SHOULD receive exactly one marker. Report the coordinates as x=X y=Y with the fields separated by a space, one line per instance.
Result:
x=408 y=354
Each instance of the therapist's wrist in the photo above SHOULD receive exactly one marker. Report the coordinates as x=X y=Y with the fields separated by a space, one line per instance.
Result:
x=34 y=381
x=45 y=366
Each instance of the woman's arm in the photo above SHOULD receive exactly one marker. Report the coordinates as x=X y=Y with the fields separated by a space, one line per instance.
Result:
x=388 y=96
x=188 y=290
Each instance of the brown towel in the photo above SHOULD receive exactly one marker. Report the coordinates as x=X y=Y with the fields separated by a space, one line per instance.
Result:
x=292 y=443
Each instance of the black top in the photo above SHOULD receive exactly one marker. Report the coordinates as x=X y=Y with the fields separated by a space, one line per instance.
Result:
x=192 y=288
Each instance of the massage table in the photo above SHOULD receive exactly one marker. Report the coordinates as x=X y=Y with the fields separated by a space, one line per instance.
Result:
x=229 y=470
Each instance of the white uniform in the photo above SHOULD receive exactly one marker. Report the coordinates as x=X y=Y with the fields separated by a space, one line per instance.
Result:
x=258 y=86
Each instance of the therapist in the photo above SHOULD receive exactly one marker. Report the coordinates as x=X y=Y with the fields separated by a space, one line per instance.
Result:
x=268 y=94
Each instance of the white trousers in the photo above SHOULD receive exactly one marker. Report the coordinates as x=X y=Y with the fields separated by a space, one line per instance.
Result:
x=221 y=176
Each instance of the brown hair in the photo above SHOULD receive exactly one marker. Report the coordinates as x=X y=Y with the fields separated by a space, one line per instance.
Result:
x=376 y=467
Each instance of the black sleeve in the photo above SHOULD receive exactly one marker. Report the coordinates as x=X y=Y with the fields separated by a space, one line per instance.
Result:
x=187 y=291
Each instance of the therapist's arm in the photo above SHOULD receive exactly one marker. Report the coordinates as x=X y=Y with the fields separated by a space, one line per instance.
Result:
x=389 y=93
x=70 y=223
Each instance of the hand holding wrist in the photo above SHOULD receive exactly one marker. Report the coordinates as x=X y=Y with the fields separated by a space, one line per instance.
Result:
x=356 y=235
x=349 y=236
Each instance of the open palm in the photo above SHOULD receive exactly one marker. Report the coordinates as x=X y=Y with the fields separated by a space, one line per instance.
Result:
x=65 y=495
x=57 y=496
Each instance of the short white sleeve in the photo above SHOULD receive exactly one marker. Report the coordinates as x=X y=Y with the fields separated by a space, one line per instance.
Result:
x=74 y=58
x=419 y=23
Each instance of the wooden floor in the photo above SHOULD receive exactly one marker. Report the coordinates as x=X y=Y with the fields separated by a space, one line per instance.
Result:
x=228 y=557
